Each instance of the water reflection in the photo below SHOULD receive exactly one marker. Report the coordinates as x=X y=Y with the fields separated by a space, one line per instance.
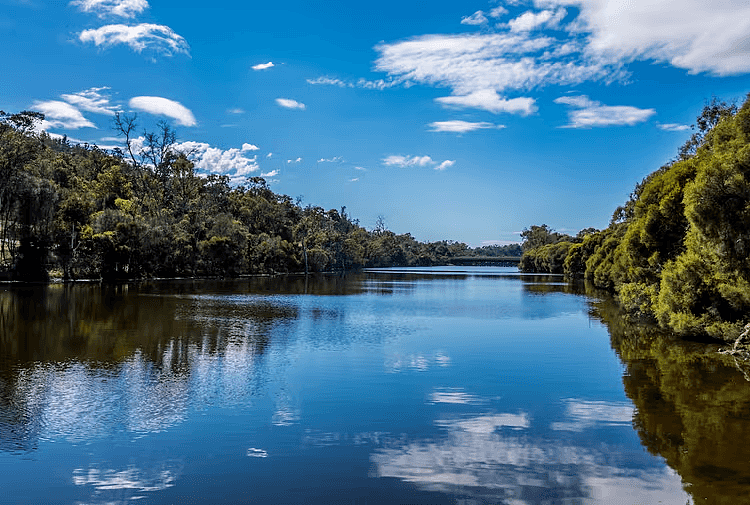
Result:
x=692 y=406
x=480 y=458
x=588 y=414
x=399 y=373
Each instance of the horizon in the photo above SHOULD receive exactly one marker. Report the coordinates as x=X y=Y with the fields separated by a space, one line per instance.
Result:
x=467 y=122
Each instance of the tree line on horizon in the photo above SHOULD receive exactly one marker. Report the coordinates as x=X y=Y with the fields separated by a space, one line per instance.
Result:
x=81 y=212
x=678 y=251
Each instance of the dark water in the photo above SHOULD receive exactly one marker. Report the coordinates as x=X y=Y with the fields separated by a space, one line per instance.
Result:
x=475 y=385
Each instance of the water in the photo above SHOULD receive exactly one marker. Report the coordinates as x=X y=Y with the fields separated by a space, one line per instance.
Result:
x=462 y=385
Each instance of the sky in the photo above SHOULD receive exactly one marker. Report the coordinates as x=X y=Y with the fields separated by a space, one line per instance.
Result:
x=453 y=120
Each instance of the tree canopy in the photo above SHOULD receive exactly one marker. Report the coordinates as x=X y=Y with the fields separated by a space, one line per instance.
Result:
x=144 y=211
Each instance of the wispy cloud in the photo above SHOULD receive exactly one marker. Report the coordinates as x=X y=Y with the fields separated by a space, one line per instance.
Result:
x=416 y=161
x=458 y=126
x=61 y=115
x=589 y=113
x=479 y=67
x=568 y=42
x=378 y=84
x=263 y=66
x=235 y=110
x=104 y=8
x=445 y=165
x=530 y=20
x=92 y=100
x=672 y=127
x=288 y=103
x=298 y=160
x=408 y=161
x=498 y=11
x=335 y=159
x=164 y=107
x=272 y=173
x=490 y=101
x=478 y=18
x=159 y=38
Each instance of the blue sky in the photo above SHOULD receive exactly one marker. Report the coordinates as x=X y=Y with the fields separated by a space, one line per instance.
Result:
x=453 y=120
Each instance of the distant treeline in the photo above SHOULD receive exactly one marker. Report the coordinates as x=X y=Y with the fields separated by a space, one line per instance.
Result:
x=678 y=250
x=80 y=212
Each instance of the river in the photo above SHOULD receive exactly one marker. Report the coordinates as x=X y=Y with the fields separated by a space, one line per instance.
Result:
x=456 y=385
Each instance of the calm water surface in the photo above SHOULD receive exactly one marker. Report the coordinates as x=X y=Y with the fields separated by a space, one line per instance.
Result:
x=464 y=385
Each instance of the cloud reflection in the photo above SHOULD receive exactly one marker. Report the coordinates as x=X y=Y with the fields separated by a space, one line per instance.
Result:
x=494 y=457
x=397 y=362
x=588 y=414
x=454 y=396
x=120 y=486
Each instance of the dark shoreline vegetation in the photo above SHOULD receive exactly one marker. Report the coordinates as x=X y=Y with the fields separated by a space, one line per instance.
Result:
x=677 y=252
x=79 y=212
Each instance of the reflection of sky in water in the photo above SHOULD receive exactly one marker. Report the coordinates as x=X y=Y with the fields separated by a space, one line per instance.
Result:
x=475 y=388
x=479 y=458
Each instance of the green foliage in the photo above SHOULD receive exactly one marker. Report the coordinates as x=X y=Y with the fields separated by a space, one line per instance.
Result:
x=145 y=212
x=679 y=250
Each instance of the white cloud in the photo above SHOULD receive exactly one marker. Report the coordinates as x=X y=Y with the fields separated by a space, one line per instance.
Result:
x=477 y=18
x=476 y=65
x=589 y=113
x=498 y=11
x=330 y=81
x=263 y=66
x=408 y=161
x=298 y=160
x=249 y=147
x=272 y=173
x=235 y=110
x=672 y=127
x=288 y=103
x=459 y=126
x=165 y=107
x=61 y=115
x=489 y=100
x=378 y=84
x=335 y=159
x=231 y=162
x=92 y=100
x=529 y=21
x=354 y=179
x=695 y=35
x=269 y=155
x=104 y=8
x=568 y=42
x=444 y=165
x=363 y=169
x=161 y=39
x=416 y=161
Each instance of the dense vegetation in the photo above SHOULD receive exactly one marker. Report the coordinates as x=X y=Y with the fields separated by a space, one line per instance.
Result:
x=142 y=212
x=677 y=251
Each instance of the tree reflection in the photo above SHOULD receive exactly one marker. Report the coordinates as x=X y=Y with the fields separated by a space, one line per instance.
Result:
x=692 y=406
x=84 y=362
